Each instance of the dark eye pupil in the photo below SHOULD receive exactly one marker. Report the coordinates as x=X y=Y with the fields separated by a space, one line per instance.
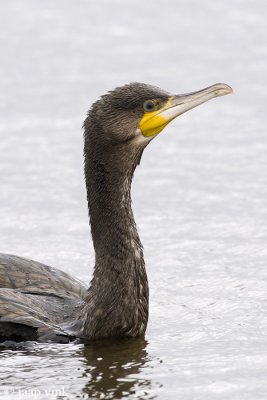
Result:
x=149 y=106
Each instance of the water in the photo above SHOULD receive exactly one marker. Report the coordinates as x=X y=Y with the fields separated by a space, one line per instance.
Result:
x=199 y=195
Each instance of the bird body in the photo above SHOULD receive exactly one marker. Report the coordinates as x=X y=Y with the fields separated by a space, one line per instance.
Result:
x=38 y=302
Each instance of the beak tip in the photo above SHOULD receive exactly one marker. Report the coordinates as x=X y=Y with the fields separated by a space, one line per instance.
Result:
x=222 y=89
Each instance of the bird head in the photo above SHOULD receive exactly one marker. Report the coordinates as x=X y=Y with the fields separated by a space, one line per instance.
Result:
x=139 y=112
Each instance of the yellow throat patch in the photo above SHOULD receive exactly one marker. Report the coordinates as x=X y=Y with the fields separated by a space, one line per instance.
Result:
x=154 y=122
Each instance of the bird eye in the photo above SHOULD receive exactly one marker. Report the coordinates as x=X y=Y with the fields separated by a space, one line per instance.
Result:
x=149 y=106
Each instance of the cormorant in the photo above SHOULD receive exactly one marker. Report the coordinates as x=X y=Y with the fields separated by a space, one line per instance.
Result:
x=38 y=302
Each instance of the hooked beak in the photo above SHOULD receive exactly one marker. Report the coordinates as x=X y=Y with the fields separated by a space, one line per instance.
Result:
x=154 y=122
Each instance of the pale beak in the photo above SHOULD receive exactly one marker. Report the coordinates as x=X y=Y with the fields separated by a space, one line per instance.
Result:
x=154 y=122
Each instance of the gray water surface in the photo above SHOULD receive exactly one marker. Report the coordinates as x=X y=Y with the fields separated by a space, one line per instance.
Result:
x=199 y=195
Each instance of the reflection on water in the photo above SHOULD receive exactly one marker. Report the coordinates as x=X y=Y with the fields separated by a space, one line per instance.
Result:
x=108 y=369
x=112 y=369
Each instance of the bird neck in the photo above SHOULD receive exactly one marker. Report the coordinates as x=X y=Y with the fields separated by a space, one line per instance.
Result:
x=117 y=302
x=114 y=233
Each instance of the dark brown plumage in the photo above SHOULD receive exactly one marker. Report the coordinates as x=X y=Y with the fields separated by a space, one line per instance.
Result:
x=38 y=302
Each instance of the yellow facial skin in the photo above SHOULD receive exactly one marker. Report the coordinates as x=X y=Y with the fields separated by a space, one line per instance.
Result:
x=153 y=122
